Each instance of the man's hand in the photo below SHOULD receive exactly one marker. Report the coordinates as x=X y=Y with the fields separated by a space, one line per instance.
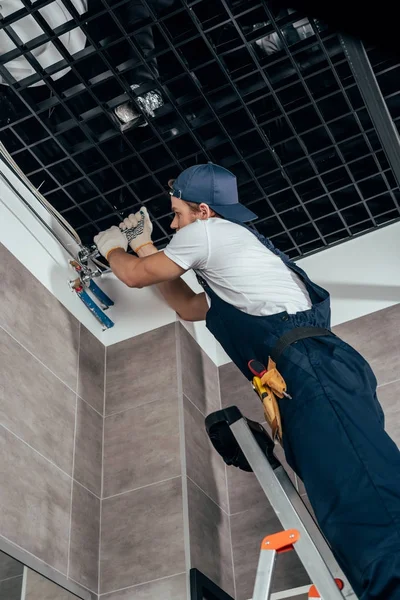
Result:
x=109 y=240
x=138 y=229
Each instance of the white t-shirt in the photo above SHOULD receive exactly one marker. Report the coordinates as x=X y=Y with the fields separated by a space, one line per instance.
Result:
x=27 y=29
x=238 y=267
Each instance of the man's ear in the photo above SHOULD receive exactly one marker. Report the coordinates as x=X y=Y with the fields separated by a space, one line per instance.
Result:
x=205 y=211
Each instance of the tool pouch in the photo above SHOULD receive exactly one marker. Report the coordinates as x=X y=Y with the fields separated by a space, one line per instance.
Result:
x=271 y=408
x=274 y=380
x=269 y=384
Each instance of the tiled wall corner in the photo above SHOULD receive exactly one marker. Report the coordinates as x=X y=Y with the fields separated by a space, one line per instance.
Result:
x=168 y=588
x=208 y=504
x=210 y=539
x=83 y=564
x=204 y=466
x=91 y=370
x=88 y=447
x=142 y=531
x=199 y=374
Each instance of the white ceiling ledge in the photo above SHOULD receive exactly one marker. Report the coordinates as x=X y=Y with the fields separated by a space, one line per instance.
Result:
x=362 y=275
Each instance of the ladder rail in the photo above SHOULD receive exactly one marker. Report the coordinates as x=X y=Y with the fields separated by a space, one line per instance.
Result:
x=279 y=497
x=265 y=569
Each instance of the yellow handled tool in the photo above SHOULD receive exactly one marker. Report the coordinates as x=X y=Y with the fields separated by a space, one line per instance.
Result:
x=269 y=383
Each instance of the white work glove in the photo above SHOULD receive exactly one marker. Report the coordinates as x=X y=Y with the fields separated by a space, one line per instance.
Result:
x=110 y=239
x=138 y=229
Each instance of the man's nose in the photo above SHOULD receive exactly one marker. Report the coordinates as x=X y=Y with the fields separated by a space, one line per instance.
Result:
x=173 y=224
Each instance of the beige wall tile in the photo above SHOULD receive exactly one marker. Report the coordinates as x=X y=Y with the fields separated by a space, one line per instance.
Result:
x=376 y=337
x=40 y=588
x=141 y=370
x=91 y=370
x=141 y=446
x=244 y=490
x=37 y=320
x=142 y=536
x=36 y=405
x=9 y=567
x=204 y=465
x=85 y=535
x=171 y=588
x=236 y=390
x=35 y=503
x=10 y=589
x=88 y=447
x=199 y=374
x=210 y=542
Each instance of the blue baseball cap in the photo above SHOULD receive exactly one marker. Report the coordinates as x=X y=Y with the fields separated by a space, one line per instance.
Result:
x=214 y=186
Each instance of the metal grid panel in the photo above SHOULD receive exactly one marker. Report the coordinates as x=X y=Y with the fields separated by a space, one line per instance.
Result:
x=289 y=122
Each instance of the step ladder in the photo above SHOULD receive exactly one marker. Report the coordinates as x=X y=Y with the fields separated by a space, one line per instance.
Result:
x=246 y=444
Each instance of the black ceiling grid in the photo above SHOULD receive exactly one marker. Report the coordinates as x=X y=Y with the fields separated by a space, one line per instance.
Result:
x=292 y=124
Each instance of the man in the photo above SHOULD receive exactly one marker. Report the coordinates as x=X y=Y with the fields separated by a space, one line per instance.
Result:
x=333 y=426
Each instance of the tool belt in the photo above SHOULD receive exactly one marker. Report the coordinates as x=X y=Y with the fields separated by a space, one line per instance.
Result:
x=269 y=384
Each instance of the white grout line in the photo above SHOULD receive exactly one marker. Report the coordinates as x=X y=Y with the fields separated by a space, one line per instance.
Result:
x=225 y=466
x=138 y=585
x=38 y=359
x=120 y=412
x=219 y=388
x=102 y=469
x=73 y=453
x=89 y=405
x=53 y=464
x=104 y=381
x=387 y=383
x=24 y=550
x=209 y=497
x=85 y=488
x=141 y=487
x=83 y=586
x=182 y=448
x=228 y=499
x=193 y=404
x=233 y=562
x=9 y=578
x=24 y=582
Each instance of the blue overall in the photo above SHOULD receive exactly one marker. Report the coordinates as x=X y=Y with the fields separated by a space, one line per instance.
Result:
x=333 y=433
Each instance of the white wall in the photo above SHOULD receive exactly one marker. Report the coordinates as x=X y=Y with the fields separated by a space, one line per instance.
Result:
x=362 y=275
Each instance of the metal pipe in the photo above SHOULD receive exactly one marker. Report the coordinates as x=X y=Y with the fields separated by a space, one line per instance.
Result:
x=36 y=215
